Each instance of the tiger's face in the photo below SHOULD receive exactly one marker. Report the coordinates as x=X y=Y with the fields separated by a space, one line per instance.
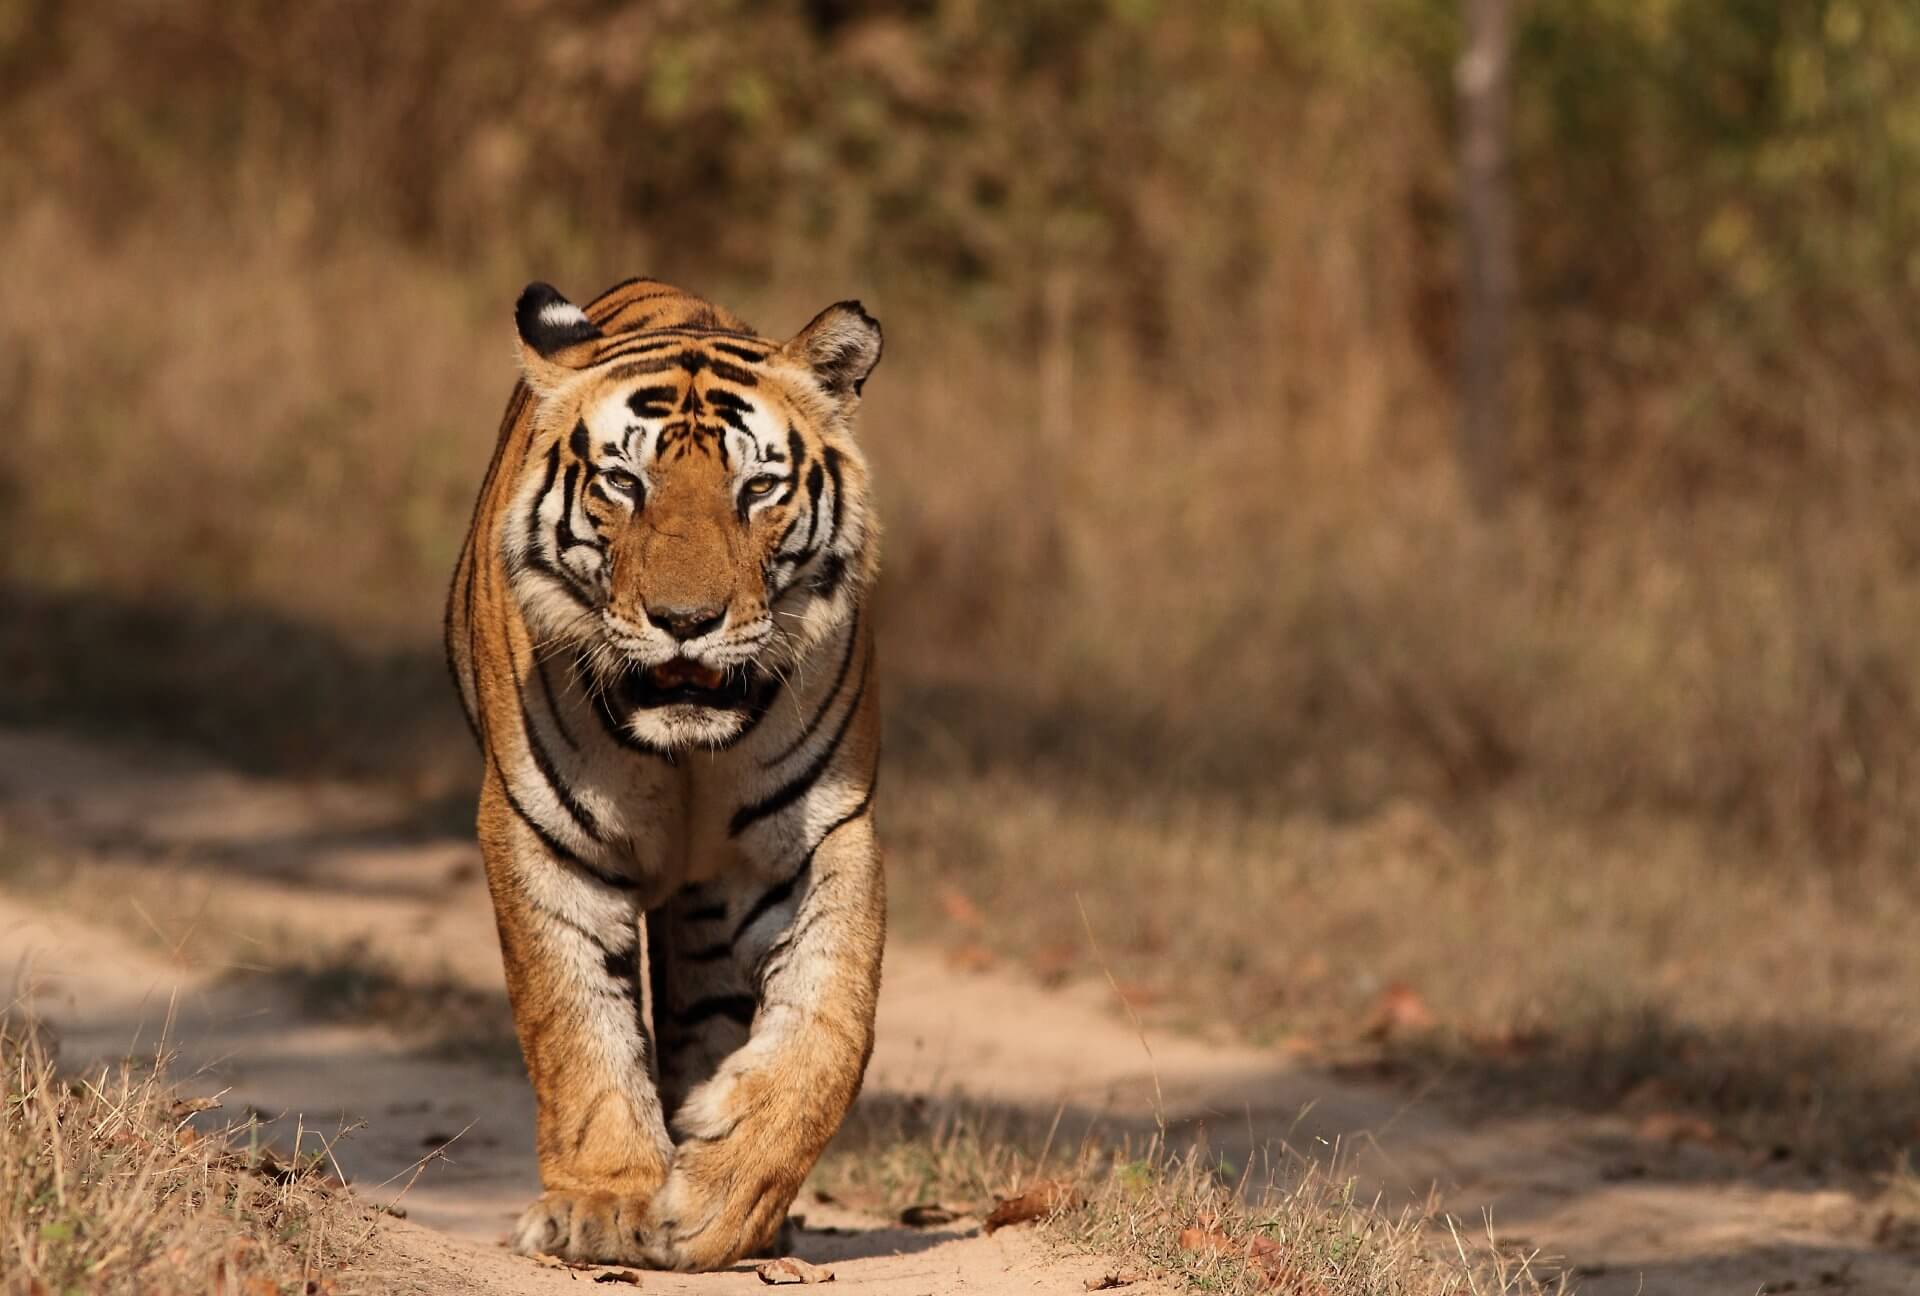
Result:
x=694 y=514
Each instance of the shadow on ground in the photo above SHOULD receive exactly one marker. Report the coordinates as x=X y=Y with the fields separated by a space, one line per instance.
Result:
x=268 y=693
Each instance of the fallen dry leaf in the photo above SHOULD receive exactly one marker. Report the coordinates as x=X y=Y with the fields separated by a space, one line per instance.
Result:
x=1399 y=1009
x=1036 y=1201
x=555 y=1262
x=971 y=957
x=1107 y=1282
x=626 y=1276
x=1651 y=1092
x=959 y=909
x=1053 y=964
x=193 y=1107
x=1206 y=1240
x=928 y=1215
x=1507 y=1042
x=1267 y=1257
x=1675 y=1127
x=788 y=1270
x=1301 y=1047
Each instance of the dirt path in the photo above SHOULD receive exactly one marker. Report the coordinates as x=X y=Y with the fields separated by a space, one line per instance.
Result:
x=226 y=872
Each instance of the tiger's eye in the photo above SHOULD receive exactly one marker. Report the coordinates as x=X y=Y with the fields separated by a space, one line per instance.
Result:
x=621 y=480
x=762 y=485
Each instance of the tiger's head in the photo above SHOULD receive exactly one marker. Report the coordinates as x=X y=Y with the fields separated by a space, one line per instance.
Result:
x=693 y=518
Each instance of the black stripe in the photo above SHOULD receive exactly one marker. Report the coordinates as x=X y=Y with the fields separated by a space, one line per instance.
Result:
x=706 y=913
x=728 y=371
x=586 y=1121
x=702 y=332
x=846 y=663
x=553 y=706
x=468 y=709
x=833 y=570
x=601 y=300
x=798 y=927
x=540 y=497
x=565 y=579
x=583 y=818
x=737 y=1008
x=785 y=796
x=569 y=538
x=774 y=959
x=739 y=352
x=711 y=954
x=559 y=852
x=622 y=965
x=585 y=933
x=777 y=894
x=814 y=482
x=650 y=402
x=839 y=497
x=626 y=349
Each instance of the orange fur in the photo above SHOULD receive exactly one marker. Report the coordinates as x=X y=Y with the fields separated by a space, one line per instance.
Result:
x=688 y=891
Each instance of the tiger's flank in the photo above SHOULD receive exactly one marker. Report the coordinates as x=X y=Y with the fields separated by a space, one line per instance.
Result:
x=658 y=629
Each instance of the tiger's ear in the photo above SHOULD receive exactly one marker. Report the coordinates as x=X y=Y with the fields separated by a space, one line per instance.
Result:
x=841 y=346
x=556 y=339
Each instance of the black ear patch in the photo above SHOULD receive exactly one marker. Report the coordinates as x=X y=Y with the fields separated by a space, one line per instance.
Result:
x=549 y=322
x=841 y=346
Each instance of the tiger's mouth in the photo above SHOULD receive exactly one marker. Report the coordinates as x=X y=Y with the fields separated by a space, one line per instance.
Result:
x=682 y=682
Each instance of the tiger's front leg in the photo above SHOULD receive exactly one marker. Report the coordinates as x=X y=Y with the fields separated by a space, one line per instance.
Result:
x=748 y=1135
x=572 y=943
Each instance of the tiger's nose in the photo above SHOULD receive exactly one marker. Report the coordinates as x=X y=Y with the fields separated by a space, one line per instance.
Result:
x=687 y=623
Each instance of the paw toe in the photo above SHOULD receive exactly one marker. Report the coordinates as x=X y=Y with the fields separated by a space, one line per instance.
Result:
x=587 y=1228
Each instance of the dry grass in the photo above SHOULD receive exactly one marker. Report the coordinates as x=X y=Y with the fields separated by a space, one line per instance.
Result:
x=1647 y=965
x=1144 y=1210
x=108 y=1184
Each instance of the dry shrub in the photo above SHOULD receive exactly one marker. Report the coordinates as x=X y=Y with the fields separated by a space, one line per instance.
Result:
x=108 y=1185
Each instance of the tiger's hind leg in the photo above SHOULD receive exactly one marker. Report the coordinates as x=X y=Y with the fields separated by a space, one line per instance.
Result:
x=703 y=1000
x=573 y=946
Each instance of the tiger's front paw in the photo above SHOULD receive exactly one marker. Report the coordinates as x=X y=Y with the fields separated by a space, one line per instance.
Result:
x=717 y=1207
x=587 y=1227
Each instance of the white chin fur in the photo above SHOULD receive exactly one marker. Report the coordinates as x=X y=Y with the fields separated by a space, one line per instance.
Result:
x=680 y=727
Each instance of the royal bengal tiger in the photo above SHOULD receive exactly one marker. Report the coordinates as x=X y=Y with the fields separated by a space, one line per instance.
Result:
x=658 y=630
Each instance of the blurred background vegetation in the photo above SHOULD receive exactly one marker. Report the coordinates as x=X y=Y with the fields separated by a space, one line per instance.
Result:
x=1182 y=580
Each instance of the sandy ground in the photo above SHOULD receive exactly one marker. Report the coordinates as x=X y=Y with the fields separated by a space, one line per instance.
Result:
x=224 y=873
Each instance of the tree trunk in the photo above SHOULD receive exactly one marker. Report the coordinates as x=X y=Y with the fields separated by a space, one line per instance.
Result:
x=1481 y=80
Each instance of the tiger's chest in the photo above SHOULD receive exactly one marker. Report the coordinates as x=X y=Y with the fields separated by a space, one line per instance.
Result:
x=665 y=821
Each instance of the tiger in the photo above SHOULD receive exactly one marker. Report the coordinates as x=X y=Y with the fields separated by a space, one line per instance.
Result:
x=658 y=627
